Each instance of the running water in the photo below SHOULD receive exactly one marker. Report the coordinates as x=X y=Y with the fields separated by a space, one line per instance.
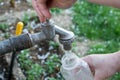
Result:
x=74 y=68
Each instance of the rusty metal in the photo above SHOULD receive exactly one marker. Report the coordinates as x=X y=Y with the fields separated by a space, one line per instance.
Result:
x=19 y=43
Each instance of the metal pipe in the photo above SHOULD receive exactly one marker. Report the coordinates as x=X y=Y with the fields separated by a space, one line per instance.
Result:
x=64 y=34
x=37 y=37
x=18 y=43
x=21 y=42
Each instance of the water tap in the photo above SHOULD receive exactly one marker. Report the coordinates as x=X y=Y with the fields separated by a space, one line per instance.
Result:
x=48 y=32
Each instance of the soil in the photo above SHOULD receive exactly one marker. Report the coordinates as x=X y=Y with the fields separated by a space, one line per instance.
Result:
x=20 y=5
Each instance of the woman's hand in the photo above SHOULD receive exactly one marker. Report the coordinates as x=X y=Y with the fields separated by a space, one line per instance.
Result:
x=103 y=65
x=42 y=7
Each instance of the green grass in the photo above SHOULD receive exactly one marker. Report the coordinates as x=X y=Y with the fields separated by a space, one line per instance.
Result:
x=104 y=47
x=95 y=21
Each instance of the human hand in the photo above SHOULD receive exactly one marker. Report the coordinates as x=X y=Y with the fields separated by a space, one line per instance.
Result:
x=42 y=7
x=103 y=65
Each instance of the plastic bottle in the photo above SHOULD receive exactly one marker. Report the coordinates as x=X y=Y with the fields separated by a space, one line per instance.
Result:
x=74 y=68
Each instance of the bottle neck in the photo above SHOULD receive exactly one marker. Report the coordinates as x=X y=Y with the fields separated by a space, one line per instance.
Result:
x=69 y=60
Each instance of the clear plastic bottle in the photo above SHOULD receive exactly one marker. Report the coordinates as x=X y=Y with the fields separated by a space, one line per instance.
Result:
x=74 y=68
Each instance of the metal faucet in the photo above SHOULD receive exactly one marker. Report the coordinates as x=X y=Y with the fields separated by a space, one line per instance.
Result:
x=28 y=40
x=65 y=37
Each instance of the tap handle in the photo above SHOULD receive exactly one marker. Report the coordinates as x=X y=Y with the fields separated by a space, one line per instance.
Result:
x=48 y=29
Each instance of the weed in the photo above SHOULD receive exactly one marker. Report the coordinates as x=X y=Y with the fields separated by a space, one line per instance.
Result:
x=3 y=26
x=52 y=63
x=53 y=44
x=55 y=10
x=26 y=18
x=6 y=35
x=36 y=71
x=33 y=70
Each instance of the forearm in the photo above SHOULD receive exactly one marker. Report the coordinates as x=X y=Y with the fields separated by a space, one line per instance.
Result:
x=114 y=3
x=116 y=58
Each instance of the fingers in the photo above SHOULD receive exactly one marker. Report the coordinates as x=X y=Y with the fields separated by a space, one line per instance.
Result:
x=40 y=15
x=41 y=9
x=44 y=9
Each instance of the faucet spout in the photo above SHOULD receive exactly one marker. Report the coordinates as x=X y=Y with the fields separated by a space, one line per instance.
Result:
x=66 y=37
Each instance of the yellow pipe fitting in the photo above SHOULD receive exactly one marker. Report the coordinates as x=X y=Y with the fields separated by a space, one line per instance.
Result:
x=19 y=28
